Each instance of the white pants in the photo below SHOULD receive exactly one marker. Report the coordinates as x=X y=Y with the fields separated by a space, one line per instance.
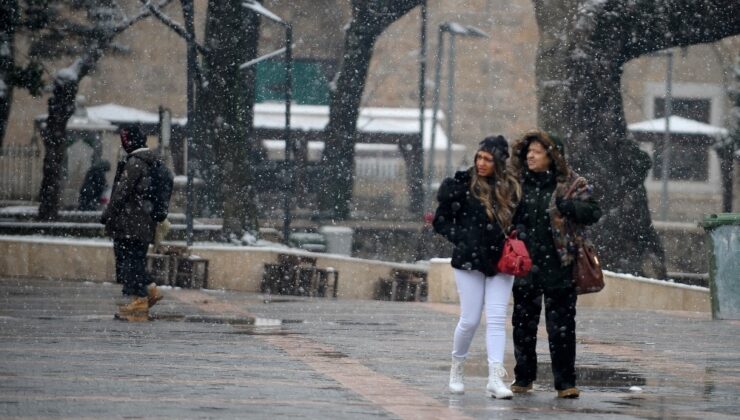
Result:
x=475 y=290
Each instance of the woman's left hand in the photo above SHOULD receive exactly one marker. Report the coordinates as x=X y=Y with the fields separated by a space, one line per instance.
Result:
x=565 y=206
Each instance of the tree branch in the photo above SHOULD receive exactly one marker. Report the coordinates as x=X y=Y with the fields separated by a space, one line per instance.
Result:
x=177 y=28
x=128 y=22
x=652 y=25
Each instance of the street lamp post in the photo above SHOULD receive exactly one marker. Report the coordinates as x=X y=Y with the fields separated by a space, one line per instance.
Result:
x=188 y=15
x=435 y=109
x=422 y=98
x=289 y=149
x=289 y=166
x=450 y=102
x=453 y=29
x=665 y=167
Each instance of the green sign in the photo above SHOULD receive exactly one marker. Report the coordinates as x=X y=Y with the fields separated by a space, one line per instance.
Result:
x=310 y=82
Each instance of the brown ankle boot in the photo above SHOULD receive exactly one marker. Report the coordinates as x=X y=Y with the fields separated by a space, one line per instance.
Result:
x=519 y=387
x=571 y=392
x=135 y=311
x=153 y=295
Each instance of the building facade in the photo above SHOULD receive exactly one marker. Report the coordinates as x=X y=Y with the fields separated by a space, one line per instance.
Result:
x=494 y=83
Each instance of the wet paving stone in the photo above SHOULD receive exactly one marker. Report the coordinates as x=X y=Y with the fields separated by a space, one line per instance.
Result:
x=219 y=354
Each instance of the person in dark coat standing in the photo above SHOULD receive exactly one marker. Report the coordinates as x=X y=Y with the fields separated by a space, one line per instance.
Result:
x=128 y=221
x=476 y=207
x=550 y=221
x=93 y=186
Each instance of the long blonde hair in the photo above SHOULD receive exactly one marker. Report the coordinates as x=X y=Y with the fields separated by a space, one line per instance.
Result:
x=500 y=201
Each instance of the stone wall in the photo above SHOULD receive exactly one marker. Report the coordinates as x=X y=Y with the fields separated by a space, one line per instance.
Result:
x=241 y=268
x=230 y=267
x=620 y=291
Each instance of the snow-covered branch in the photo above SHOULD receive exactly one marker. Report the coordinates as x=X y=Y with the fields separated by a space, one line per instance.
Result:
x=143 y=13
x=262 y=10
x=250 y=63
x=83 y=65
x=176 y=27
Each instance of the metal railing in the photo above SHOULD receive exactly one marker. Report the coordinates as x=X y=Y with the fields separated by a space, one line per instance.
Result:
x=20 y=172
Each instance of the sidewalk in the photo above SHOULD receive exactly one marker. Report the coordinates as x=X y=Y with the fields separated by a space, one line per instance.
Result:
x=217 y=354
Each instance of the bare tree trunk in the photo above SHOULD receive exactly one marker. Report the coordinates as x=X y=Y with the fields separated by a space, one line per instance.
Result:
x=339 y=152
x=583 y=48
x=226 y=114
x=54 y=133
x=8 y=19
x=369 y=20
x=731 y=144
x=61 y=106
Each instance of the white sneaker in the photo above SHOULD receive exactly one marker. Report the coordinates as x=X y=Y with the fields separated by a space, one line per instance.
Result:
x=496 y=387
x=456 y=375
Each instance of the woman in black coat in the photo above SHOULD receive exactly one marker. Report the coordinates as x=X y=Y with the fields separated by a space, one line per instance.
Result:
x=555 y=206
x=475 y=208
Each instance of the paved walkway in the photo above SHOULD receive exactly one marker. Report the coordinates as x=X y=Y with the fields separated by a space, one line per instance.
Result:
x=217 y=354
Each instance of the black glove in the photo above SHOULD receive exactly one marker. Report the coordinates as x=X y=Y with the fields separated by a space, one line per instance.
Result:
x=565 y=206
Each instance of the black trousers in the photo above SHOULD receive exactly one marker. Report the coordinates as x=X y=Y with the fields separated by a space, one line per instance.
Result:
x=130 y=257
x=560 y=320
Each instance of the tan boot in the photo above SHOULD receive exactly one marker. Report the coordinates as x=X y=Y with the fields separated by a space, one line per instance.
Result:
x=520 y=387
x=572 y=392
x=153 y=295
x=135 y=311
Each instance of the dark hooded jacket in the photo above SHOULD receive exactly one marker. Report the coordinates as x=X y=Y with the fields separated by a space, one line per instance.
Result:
x=461 y=218
x=128 y=216
x=93 y=186
x=556 y=206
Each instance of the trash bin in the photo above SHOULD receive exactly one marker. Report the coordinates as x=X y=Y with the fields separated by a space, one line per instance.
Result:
x=724 y=264
x=338 y=239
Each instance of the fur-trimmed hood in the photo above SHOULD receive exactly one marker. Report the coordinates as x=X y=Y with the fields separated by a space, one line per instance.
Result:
x=553 y=145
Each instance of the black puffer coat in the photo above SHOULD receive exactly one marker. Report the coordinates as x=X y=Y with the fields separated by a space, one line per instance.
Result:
x=462 y=219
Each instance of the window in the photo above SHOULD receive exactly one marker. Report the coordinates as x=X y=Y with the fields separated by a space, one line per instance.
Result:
x=691 y=108
x=689 y=158
x=689 y=154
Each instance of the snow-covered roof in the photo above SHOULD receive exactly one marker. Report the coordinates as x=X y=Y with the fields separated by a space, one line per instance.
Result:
x=122 y=114
x=82 y=123
x=678 y=125
x=308 y=118
x=371 y=120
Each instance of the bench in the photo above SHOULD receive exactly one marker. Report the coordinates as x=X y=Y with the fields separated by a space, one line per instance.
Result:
x=403 y=285
x=298 y=275
x=172 y=265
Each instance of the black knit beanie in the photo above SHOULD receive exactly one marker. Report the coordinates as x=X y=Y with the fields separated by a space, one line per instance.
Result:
x=132 y=138
x=495 y=145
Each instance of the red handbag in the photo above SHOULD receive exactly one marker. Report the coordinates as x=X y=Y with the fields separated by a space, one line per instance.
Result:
x=515 y=258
